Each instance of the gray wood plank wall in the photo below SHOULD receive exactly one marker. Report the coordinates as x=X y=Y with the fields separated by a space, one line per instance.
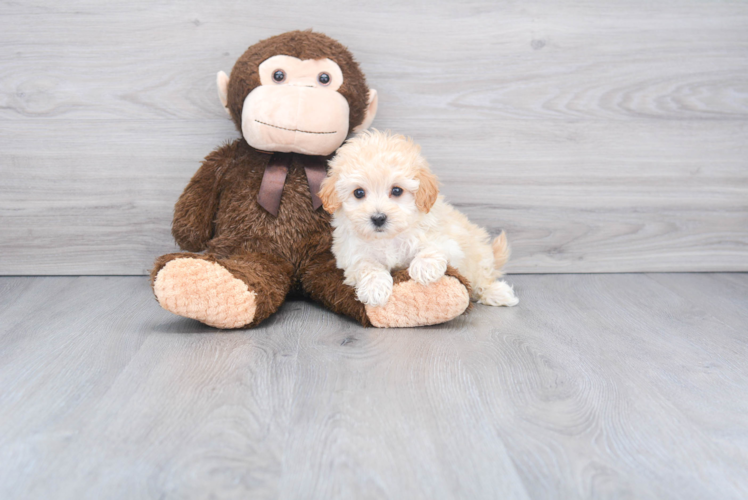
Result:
x=604 y=136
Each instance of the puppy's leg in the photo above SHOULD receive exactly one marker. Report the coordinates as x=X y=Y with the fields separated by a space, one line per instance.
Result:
x=482 y=266
x=427 y=266
x=373 y=282
x=498 y=293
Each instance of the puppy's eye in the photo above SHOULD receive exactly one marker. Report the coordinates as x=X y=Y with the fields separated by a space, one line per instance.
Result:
x=279 y=75
x=397 y=191
x=324 y=79
x=359 y=193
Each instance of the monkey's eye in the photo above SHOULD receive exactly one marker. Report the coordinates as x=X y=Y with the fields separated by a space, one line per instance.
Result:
x=359 y=193
x=397 y=191
x=279 y=75
x=324 y=79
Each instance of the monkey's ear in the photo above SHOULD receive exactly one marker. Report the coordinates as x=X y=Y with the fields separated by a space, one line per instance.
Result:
x=329 y=194
x=428 y=190
x=371 y=111
x=222 y=80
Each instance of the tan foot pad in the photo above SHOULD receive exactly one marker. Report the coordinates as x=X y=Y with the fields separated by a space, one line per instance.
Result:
x=204 y=291
x=413 y=304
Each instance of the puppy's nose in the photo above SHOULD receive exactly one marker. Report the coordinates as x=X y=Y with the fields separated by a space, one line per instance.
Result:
x=378 y=219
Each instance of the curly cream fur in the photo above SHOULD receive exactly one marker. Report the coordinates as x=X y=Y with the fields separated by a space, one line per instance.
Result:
x=422 y=232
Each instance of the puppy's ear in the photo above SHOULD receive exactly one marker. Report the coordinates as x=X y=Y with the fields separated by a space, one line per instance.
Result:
x=328 y=194
x=428 y=190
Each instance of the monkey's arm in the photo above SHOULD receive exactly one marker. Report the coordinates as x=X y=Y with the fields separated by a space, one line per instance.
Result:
x=192 y=226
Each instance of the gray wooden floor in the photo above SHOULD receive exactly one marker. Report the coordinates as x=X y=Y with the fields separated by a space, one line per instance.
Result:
x=595 y=386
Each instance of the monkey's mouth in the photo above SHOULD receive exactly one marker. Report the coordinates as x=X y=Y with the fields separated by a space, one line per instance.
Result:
x=294 y=129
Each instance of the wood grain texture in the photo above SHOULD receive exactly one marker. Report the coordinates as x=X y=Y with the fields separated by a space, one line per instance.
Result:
x=605 y=137
x=595 y=386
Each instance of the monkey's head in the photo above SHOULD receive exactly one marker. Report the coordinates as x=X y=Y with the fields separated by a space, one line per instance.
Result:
x=299 y=92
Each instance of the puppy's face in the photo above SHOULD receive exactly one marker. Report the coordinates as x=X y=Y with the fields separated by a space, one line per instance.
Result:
x=379 y=203
x=380 y=183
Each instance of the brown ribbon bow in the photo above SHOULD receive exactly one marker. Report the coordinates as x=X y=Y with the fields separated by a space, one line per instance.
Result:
x=275 y=174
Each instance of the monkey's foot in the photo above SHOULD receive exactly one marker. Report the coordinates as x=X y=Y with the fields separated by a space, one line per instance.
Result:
x=413 y=304
x=205 y=291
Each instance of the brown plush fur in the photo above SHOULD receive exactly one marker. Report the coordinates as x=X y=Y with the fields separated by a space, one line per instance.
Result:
x=218 y=212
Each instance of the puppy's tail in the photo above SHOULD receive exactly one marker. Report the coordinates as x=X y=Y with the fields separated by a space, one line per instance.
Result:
x=501 y=252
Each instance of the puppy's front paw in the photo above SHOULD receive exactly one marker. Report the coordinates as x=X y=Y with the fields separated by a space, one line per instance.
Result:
x=427 y=268
x=374 y=288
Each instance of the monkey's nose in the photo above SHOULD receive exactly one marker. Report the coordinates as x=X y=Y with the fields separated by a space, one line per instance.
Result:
x=378 y=219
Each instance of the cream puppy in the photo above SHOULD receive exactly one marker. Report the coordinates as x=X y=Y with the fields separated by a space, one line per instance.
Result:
x=388 y=215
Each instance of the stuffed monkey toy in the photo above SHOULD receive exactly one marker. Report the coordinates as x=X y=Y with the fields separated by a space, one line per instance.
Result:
x=250 y=218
